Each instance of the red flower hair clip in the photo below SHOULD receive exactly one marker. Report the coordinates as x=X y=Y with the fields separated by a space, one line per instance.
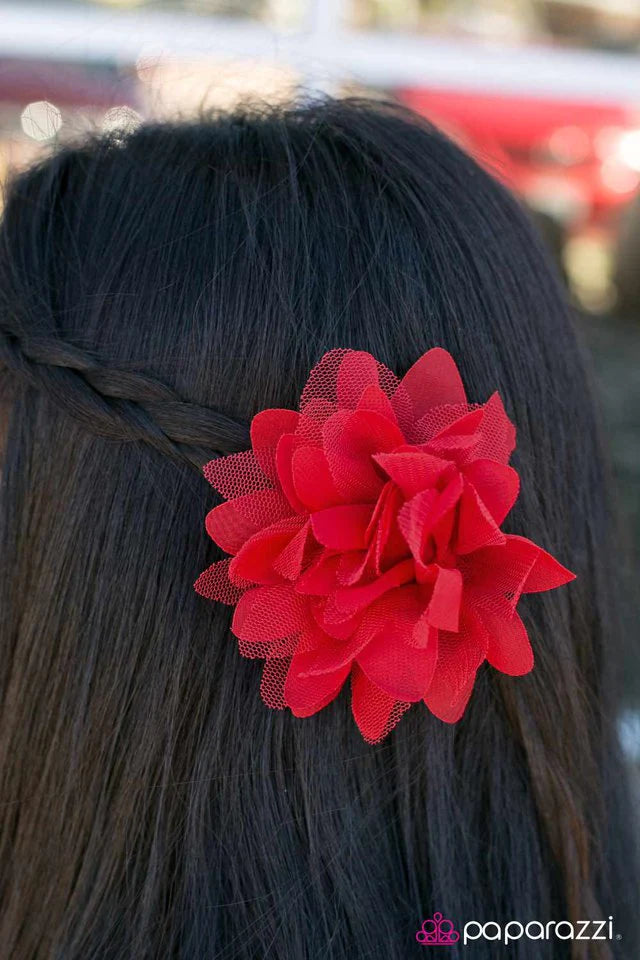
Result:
x=365 y=537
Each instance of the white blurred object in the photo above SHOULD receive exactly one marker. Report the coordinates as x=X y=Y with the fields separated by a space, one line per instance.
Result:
x=629 y=149
x=629 y=733
x=124 y=119
x=173 y=88
x=41 y=120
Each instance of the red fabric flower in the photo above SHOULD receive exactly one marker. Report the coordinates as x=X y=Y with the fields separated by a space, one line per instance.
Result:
x=365 y=538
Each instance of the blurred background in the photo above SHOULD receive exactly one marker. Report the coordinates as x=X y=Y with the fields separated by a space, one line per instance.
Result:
x=545 y=93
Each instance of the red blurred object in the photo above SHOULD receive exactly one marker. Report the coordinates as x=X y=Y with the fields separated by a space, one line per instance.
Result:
x=574 y=161
x=65 y=84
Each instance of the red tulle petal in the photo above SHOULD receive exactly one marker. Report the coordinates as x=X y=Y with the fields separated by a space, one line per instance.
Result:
x=358 y=371
x=350 y=440
x=545 y=573
x=333 y=655
x=232 y=523
x=312 y=420
x=459 y=440
x=412 y=470
x=518 y=566
x=497 y=434
x=344 y=527
x=236 y=475
x=266 y=429
x=422 y=516
x=305 y=694
x=413 y=519
x=312 y=480
x=214 y=584
x=377 y=401
x=444 y=606
x=374 y=711
x=335 y=623
x=274 y=675
x=229 y=529
x=254 y=561
x=287 y=445
x=269 y=613
x=289 y=562
x=424 y=430
x=459 y=656
x=432 y=381
x=496 y=484
x=321 y=577
x=476 y=526
x=397 y=666
x=352 y=599
x=509 y=649
x=449 y=706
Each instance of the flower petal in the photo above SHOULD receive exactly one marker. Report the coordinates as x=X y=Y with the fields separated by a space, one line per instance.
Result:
x=350 y=600
x=449 y=706
x=288 y=563
x=435 y=421
x=228 y=528
x=335 y=654
x=459 y=656
x=412 y=470
x=269 y=613
x=232 y=523
x=476 y=526
x=433 y=381
x=255 y=560
x=375 y=399
x=374 y=711
x=313 y=417
x=236 y=475
x=413 y=518
x=546 y=572
x=387 y=544
x=484 y=433
x=444 y=607
x=398 y=667
x=350 y=440
x=214 y=584
x=334 y=622
x=321 y=577
x=509 y=649
x=305 y=694
x=459 y=439
x=497 y=433
x=266 y=429
x=272 y=682
x=312 y=480
x=344 y=527
x=496 y=484
x=287 y=445
x=321 y=386
x=358 y=371
x=518 y=566
x=430 y=513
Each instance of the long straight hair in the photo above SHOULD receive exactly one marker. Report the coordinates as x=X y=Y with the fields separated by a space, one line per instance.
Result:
x=157 y=290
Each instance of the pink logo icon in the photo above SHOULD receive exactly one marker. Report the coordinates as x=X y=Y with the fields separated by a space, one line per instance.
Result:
x=437 y=932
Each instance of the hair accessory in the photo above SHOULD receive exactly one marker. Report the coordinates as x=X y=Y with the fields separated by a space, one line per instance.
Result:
x=365 y=537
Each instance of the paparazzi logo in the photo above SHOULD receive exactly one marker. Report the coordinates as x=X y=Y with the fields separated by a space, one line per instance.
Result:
x=440 y=932
x=437 y=932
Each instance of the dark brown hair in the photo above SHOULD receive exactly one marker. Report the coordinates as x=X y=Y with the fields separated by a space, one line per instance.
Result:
x=155 y=292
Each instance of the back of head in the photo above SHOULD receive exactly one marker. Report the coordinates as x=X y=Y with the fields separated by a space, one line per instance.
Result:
x=155 y=293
